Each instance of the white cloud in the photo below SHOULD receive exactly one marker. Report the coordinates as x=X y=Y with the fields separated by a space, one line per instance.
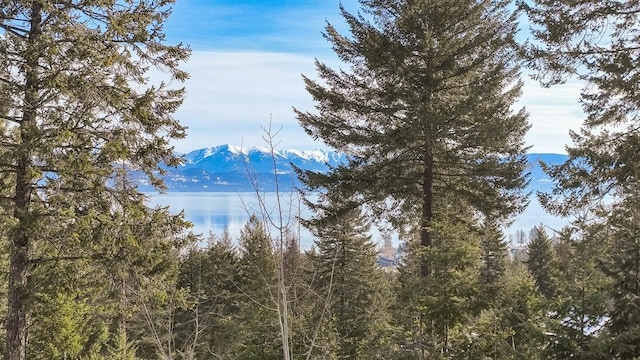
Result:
x=552 y=112
x=232 y=95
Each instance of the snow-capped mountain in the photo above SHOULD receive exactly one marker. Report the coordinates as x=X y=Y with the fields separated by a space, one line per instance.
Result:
x=234 y=168
x=230 y=158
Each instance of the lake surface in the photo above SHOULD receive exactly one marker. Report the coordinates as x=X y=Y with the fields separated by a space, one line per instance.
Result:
x=212 y=211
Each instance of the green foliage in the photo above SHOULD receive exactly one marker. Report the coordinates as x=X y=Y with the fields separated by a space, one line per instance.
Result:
x=68 y=316
x=79 y=116
x=522 y=312
x=433 y=309
x=597 y=42
x=258 y=287
x=493 y=261
x=111 y=275
x=424 y=114
x=423 y=110
x=581 y=303
x=344 y=278
x=64 y=328
x=621 y=264
x=121 y=347
x=590 y=39
x=541 y=262
x=485 y=336
x=208 y=322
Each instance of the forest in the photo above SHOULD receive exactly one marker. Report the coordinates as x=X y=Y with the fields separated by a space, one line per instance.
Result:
x=423 y=107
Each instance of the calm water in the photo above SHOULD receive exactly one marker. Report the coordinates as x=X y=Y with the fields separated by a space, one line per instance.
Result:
x=212 y=211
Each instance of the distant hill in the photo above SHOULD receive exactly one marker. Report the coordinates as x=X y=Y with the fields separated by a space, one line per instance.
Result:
x=539 y=180
x=229 y=168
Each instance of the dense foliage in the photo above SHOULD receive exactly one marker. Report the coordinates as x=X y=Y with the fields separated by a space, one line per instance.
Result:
x=77 y=115
x=424 y=110
x=597 y=42
x=424 y=113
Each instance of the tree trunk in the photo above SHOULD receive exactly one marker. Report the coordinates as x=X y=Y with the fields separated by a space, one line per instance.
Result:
x=17 y=299
x=427 y=209
x=19 y=261
x=17 y=295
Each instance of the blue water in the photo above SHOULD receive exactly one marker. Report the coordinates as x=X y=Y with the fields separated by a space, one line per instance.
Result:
x=212 y=211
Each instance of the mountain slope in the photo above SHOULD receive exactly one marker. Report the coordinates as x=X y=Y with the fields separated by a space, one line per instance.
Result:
x=231 y=168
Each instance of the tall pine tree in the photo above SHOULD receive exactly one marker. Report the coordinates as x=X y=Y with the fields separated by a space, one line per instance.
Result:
x=344 y=275
x=78 y=107
x=597 y=42
x=258 y=286
x=431 y=310
x=424 y=109
x=541 y=262
x=208 y=327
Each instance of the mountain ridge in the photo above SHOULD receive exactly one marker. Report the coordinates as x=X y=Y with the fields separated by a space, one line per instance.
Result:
x=229 y=168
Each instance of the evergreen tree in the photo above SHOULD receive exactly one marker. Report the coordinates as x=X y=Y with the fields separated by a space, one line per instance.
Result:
x=485 y=336
x=564 y=249
x=143 y=246
x=597 y=42
x=344 y=275
x=258 y=287
x=621 y=264
x=580 y=307
x=66 y=321
x=424 y=110
x=79 y=109
x=511 y=328
x=209 y=325
x=107 y=295
x=493 y=262
x=522 y=314
x=432 y=310
x=541 y=262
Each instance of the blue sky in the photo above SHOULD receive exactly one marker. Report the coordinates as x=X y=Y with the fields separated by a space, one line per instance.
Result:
x=246 y=66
